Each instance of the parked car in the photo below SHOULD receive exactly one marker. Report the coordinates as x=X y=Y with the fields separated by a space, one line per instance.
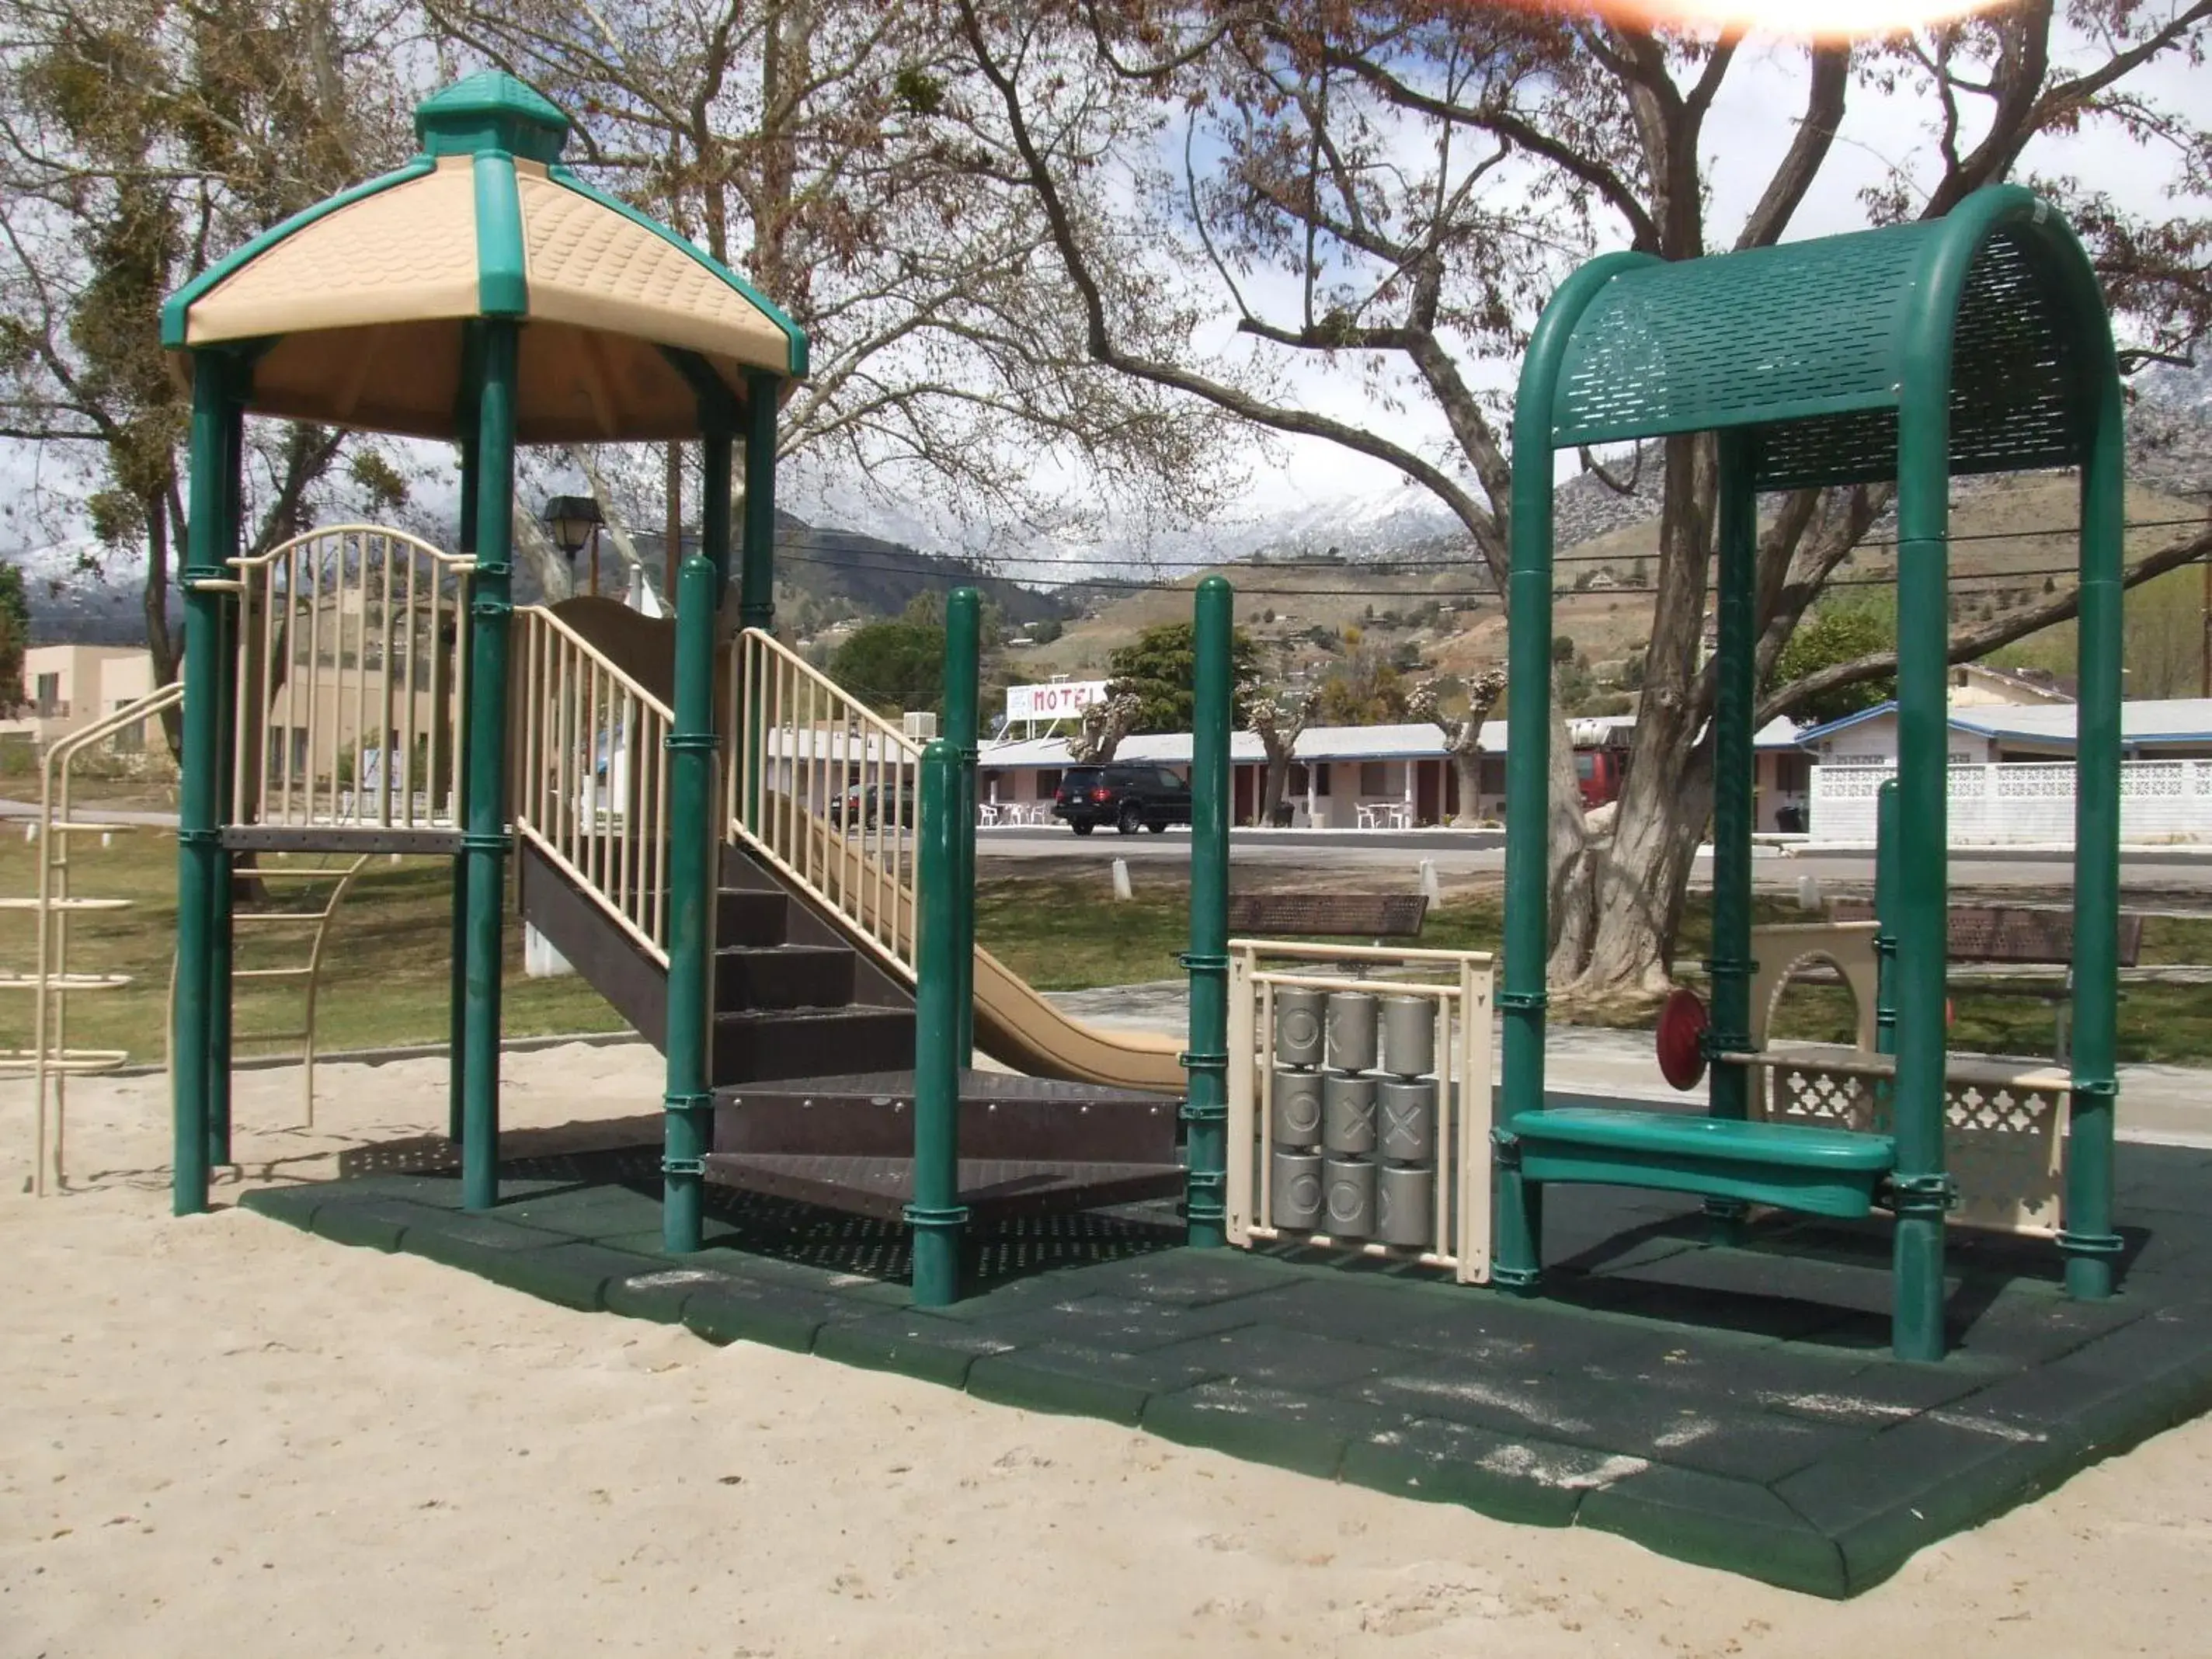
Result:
x=859 y=806
x=1126 y=796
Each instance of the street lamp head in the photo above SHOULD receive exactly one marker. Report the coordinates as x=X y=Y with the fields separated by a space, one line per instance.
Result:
x=570 y=520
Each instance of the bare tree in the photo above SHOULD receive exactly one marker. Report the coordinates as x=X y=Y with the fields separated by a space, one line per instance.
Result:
x=1279 y=720
x=1102 y=727
x=1463 y=734
x=1392 y=190
x=138 y=142
x=817 y=147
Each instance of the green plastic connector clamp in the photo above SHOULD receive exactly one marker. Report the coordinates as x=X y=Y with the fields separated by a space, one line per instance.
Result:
x=1524 y=1001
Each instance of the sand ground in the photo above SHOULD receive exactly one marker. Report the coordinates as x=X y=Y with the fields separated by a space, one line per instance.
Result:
x=220 y=1435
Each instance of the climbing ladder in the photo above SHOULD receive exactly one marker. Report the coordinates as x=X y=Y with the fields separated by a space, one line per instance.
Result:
x=49 y=1057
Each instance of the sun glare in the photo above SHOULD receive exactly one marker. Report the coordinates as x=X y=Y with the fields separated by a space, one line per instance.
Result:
x=1823 y=19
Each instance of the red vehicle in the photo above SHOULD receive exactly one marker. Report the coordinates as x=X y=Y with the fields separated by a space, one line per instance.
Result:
x=1600 y=761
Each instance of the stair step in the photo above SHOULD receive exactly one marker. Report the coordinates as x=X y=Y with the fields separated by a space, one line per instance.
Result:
x=782 y=976
x=1001 y=1117
x=788 y=1042
x=751 y=915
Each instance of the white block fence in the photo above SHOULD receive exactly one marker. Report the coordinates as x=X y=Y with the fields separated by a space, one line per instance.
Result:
x=2163 y=802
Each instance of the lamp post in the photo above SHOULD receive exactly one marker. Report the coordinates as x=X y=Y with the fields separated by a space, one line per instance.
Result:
x=571 y=521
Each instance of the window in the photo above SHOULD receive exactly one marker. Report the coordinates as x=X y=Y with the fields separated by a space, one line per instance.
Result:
x=49 y=697
x=1296 y=784
x=1168 y=780
x=1048 y=783
x=1793 y=773
x=1321 y=779
x=129 y=739
x=1371 y=781
x=1585 y=765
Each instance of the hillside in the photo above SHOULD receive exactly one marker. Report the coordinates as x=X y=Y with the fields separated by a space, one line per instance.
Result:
x=823 y=576
x=2013 y=542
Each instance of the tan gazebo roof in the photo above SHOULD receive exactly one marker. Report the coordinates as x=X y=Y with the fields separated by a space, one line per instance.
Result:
x=362 y=309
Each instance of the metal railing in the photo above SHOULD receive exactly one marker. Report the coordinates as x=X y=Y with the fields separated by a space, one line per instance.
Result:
x=827 y=791
x=590 y=780
x=352 y=669
x=50 y=1059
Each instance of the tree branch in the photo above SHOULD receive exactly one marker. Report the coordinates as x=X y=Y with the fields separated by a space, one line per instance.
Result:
x=1973 y=643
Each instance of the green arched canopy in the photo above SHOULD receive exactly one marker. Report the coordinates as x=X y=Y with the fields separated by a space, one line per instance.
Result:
x=1976 y=342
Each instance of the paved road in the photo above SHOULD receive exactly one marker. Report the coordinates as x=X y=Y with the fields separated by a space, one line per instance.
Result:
x=1462 y=853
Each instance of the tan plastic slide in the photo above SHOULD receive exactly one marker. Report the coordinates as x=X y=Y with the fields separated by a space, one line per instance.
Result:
x=1017 y=1027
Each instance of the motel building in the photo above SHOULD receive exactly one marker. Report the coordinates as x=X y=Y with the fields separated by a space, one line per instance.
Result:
x=1341 y=777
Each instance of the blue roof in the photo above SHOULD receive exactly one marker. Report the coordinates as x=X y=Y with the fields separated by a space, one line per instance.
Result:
x=2145 y=723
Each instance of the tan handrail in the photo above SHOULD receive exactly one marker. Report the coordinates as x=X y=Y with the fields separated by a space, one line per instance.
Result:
x=590 y=781
x=827 y=791
x=351 y=681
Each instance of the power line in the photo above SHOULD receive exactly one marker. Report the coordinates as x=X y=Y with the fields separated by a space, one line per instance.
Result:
x=1379 y=566
x=1136 y=584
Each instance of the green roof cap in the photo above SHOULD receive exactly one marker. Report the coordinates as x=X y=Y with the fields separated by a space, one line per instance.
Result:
x=492 y=110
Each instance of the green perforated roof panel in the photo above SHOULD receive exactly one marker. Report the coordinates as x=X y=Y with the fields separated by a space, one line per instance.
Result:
x=1806 y=345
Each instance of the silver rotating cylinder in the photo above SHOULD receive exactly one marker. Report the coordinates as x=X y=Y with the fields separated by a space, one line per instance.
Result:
x=1350 y=1184
x=1351 y=1030
x=1409 y=1036
x=1406 y=1127
x=1347 y=1114
x=1297 y=1025
x=1294 y=1116
x=1297 y=1192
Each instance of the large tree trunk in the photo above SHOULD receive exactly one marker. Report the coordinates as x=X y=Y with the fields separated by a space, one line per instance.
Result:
x=1617 y=901
x=1466 y=770
x=160 y=644
x=1271 y=791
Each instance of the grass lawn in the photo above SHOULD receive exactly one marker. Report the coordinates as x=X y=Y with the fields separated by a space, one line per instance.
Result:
x=1065 y=933
x=386 y=967
x=385 y=961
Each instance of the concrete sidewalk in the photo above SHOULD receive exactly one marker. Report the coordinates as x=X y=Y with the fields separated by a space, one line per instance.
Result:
x=2165 y=1105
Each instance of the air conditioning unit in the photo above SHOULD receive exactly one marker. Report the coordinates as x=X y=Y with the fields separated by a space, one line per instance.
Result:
x=919 y=727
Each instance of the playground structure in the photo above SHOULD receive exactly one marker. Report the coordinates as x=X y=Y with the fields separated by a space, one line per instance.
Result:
x=675 y=793
x=1977 y=342
x=661 y=792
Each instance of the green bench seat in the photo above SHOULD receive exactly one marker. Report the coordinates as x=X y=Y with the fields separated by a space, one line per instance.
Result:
x=1834 y=1172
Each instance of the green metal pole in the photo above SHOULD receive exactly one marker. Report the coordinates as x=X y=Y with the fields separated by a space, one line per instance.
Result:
x=222 y=1005
x=1886 y=833
x=936 y=1216
x=1921 y=1187
x=1735 y=650
x=963 y=635
x=198 y=838
x=757 y=564
x=457 y=1069
x=1522 y=995
x=1206 y=1110
x=693 y=838
x=484 y=841
x=2088 y=1237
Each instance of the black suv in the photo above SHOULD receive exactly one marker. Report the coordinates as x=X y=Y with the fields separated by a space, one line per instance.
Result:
x=1124 y=796
x=861 y=808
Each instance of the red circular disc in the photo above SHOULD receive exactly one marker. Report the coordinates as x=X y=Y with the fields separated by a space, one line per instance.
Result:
x=1681 y=1040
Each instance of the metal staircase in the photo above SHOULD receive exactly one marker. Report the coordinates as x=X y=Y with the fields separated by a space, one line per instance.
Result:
x=812 y=1006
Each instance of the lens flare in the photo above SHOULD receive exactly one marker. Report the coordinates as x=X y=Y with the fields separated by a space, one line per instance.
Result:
x=1828 y=20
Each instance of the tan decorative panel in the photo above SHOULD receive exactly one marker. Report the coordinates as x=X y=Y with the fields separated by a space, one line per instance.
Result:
x=591 y=266
x=404 y=253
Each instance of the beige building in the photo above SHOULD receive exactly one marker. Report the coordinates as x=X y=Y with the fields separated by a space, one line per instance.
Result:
x=70 y=686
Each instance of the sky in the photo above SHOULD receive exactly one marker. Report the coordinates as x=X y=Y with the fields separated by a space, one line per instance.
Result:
x=1743 y=137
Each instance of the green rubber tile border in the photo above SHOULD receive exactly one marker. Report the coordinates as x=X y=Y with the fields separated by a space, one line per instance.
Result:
x=1304 y=1365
